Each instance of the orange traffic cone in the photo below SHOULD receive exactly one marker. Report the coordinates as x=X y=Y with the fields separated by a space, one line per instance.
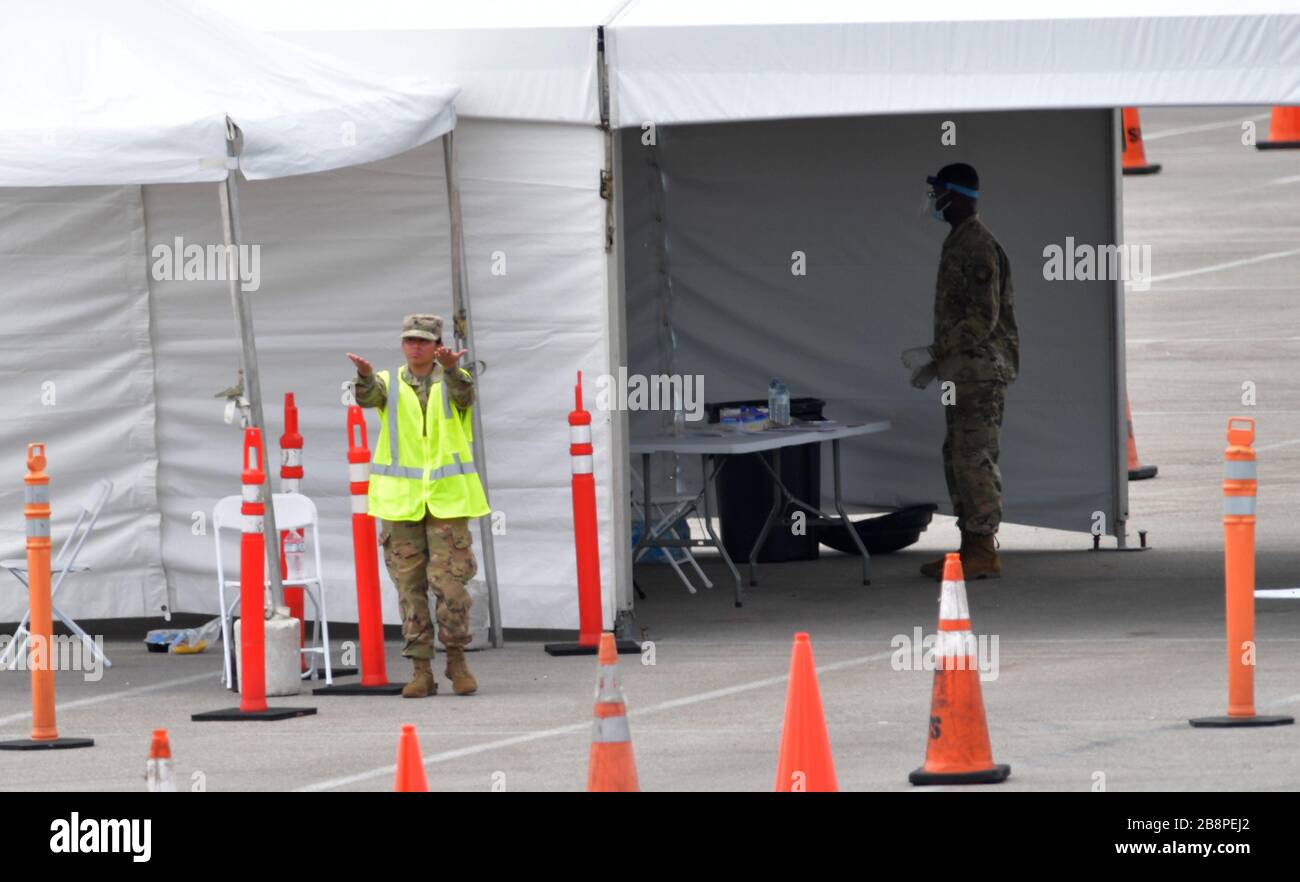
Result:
x=1136 y=471
x=1283 y=130
x=805 y=761
x=158 y=772
x=410 y=765
x=958 y=750
x=612 y=767
x=1135 y=155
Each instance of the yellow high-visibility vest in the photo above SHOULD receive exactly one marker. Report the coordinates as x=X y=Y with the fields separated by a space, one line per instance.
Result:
x=424 y=462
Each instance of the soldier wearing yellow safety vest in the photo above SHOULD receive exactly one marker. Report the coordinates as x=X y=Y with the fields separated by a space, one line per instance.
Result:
x=424 y=489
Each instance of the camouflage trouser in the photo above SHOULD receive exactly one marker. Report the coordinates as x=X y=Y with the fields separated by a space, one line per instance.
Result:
x=970 y=455
x=432 y=554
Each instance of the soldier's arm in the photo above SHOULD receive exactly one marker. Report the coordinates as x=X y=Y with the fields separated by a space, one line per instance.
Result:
x=460 y=387
x=982 y=287
x=370 y=391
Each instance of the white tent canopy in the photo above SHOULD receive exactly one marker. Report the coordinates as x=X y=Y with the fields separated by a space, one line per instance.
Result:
x=138 y=92
x=101 y=99
x=550 y=299
x=679 y=61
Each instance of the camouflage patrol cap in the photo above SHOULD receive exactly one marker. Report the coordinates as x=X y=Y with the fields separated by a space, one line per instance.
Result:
x=428 y=327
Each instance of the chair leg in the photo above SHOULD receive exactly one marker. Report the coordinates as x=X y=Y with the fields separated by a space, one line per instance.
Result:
x=85 y=638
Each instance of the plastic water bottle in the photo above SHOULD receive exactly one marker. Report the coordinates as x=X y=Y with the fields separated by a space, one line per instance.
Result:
x=773 y=416
x=295 y=545
x=782 y=405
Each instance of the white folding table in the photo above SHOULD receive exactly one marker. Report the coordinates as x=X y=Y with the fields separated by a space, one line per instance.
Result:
x=714 y=445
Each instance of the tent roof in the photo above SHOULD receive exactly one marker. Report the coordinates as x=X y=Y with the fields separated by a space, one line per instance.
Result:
x=138 y=91
x=704 y=60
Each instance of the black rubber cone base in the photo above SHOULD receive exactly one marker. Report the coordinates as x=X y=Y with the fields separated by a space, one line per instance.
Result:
x=625 y=647
x=1143 y=169
x=334 y=672
x=360 y=689
x=234 y=714
x=1141 y=473
x=52 y=744
x=995 y=775
x=1278 y=145
x=1235 y=722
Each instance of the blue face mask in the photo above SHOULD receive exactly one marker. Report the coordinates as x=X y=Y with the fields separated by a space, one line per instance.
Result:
x=936 y=211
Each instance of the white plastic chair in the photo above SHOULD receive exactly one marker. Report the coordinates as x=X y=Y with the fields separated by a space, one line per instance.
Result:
x=293 y=511
x=64 y=562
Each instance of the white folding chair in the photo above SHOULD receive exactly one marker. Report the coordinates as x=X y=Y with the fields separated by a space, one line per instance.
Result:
x=293 y=511
x=64 y=562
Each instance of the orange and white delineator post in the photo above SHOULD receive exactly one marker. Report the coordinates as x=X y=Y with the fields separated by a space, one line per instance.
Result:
x=586 y=538
x=365 y=552
x=1239 y=491
x=40 y=641
x=612 y=767
x=158 y=773
x=291 y=482
x=957 y=748
x=252 y=596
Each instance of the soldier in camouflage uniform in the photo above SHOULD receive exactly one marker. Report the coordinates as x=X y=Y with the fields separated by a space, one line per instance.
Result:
x=976 y=347
x=433 y=553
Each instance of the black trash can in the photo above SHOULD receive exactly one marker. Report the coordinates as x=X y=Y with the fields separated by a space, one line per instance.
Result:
x=745 y=491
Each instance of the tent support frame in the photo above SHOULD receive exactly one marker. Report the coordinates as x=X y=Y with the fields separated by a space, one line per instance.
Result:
x=463 y=329
x=230 y=223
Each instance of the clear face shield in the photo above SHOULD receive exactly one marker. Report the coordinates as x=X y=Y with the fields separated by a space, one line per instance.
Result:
x=938 y=195
x=936 y=199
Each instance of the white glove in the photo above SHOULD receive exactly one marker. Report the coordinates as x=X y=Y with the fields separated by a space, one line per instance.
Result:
x=917 y=357
x=924 y=375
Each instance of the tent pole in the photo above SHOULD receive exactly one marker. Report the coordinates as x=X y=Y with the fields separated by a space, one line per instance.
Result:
x=229 y=192
x=463 y=330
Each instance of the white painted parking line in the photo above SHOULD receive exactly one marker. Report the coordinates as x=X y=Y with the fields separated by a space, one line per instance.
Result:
x=527 y=737
x=113 y=696
x=1204 y=127
x=1273 y=255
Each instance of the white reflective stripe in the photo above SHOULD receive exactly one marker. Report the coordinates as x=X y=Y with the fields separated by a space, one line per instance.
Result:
x=360 y=504
x=291 y=456
x=446 y=410
x=358 y=472
x=608 y=687
x=582 y=465
x=1240 y=469
x=952 y=601
x=389 y=471
x=35 y=494
x=609 y=730
x=955 y=644
x=289 y=485
x=252 y=492
x=253 y=524
x=580 y=434
x=38 y=527
x=1238 y=505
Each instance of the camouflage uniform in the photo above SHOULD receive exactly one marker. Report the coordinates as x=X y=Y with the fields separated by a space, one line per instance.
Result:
x=433 y=553
x=977 y=347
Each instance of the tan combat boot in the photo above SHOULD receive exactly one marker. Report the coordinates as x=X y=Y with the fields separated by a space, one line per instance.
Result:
x=422 y=683
x=979 y=557
x=462 y=681
x=934 y=569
